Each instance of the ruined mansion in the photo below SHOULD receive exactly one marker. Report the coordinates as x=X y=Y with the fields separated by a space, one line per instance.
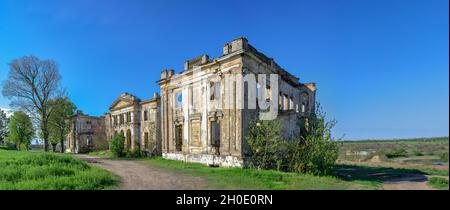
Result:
x=201 y=115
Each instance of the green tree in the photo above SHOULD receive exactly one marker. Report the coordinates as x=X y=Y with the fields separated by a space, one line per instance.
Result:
x=3 y=126
x=117 y=145
x=58 y=123
x=266 y=145
x=21 y=130
x=314 y=151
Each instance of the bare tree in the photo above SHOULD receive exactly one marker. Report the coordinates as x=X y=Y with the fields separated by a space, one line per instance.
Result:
x=31 y=83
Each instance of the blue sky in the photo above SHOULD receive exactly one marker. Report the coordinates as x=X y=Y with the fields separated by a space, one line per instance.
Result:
x=381 y=67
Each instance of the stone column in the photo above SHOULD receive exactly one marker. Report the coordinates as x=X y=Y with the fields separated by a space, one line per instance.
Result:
x=204 y=120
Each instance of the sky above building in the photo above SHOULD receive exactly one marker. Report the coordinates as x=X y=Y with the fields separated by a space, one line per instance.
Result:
x=381 y=66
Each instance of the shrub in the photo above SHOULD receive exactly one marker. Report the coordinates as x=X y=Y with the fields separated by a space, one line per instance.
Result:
x=117 y=146
x=134 y=153
x=417 y=153
x=314 y=151
x=394 y=153
x=7 y=146
x=267 y=148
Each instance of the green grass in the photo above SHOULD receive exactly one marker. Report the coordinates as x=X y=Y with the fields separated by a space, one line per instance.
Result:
x=438 y=183
x=434 y=172
x=392 y=150
x=237 y=178
x=101 y=153
x=107 y=154
x=47 y=171
x=380 y=174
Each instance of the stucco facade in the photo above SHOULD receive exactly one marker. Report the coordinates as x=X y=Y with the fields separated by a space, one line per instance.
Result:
x=203 y=111
x=137 y=120
x=87 y=133
x=194 y=130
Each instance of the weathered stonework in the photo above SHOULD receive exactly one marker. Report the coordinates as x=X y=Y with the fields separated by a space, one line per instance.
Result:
x=87 y=134
x=138 y=121
x=191 y=121
x=207 y=159
x=194 y=131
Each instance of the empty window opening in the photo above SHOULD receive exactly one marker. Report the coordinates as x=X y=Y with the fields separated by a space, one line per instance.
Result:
x=215 y=135
x=145 y=115
x=146 y=140
x=179 y=99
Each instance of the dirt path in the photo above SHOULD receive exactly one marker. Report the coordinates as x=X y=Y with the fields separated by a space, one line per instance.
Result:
x=391 y=178
x=139 y=176
x=408 y=182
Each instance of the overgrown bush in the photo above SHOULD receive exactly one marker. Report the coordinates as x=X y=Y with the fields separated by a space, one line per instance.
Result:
x=117 y=146
x=7 y=146
x=395 y=153
x=134 y=153
x=313 y=151
x=417 y=153
x=267 y=148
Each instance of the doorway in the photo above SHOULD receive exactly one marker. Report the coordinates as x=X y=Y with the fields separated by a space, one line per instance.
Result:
x=178 y=138
x=215 y=136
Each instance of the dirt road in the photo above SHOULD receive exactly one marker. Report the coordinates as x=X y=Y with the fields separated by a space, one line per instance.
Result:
x=391 y=178
x=139 y=176
x=408 y=182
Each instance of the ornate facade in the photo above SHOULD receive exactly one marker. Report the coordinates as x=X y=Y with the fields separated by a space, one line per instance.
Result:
x=137 y=120
x=201 y=116
x=194 y=130
x=86 y=134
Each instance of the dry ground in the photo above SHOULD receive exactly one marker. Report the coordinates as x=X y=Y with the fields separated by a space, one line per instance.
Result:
x=403 y=181
x=138 y=176
x=395 y=165
x=409 y=182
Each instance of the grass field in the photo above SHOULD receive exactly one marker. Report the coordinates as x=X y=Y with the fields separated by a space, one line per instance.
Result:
x=47 y=171
x=438 y=183
x=236 y=178
x=344 y=177
x=427 y=151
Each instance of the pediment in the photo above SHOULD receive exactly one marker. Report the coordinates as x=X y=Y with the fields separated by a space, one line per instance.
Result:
x=121 y=104
x=124 y=100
